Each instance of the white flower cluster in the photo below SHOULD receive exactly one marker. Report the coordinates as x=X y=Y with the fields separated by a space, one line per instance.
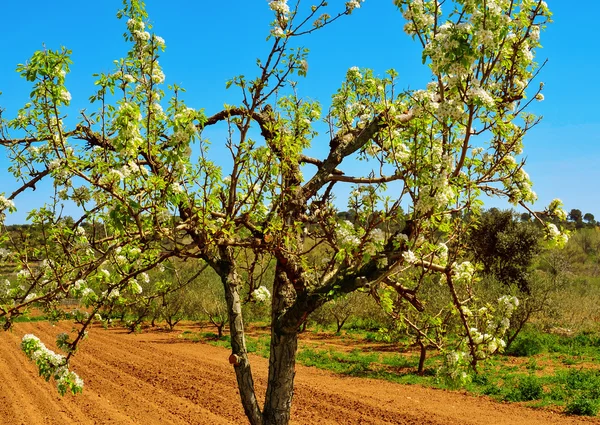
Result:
x=277 y=32
x=65 y=96
x=24 y=274
x=435 y=196
x=449 y=109
x=4 y=287
x=51 y=365
x=553 y=231
x=78 y=285
x=88 y=296
x=377 y=235
x=112 y=177
x=495 y=323
x=449 y=38
x=6 y=204
x=417 y=15
x=409 y=257
x=354 y=73
x=135 y=287
x=442 y=253
x=280 y=6
x=486 y=343
x=132 y=169
x=480 y=95
x=555 y=209
x=464 y=271
x=556 y=235
x=346 y=236
x=507 y=304
x=159 y=41
x=113 y=294
x=184 y=129
x=137 y=30
x=353 y=4
x=4 y=253
x=261 y=294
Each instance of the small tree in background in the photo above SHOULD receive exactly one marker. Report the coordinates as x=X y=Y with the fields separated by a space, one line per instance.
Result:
x=506 y=247
x=589 y=217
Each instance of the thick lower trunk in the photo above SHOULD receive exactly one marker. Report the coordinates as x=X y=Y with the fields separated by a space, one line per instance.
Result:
x=282 y=356
x=282 y=369
x=239 y=356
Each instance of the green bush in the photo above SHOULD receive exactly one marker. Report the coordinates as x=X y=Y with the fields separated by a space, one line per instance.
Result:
x=584 y=380
x=528 y=388
x=526 y=345
x=582 y=406
x=585 y=339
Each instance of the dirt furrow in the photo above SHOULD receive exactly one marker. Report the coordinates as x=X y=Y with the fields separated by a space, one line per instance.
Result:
x=139 y=383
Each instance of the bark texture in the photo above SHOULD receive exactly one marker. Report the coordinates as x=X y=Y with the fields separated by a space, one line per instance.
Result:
x=282 y=358
x=239 y=357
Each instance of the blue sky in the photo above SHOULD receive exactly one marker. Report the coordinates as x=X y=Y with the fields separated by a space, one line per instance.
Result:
x=210 y=42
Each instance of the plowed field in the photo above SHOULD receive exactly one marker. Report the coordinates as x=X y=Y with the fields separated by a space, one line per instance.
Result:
x=157 y=378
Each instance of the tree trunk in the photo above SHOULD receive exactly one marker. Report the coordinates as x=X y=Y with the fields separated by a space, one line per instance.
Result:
x=239 y=356
x=282 y=356
x=280 y=387
x=340 y=325
x=423 y=348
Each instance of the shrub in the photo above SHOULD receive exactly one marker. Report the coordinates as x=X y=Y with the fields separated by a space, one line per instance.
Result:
x=528 y=388
x=526 y=345
x=582 y=406
x=584 y=380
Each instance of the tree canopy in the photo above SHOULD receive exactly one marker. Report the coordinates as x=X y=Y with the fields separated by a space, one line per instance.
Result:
x=151 y=189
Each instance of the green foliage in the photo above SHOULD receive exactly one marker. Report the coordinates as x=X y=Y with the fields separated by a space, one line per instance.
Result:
x=354 y=363
x=528 y=388
x=587 y=381
x=526 y=345
x=583 y=406
x=505 y=246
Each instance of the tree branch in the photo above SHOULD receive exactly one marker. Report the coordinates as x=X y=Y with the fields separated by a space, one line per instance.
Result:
x=363 y=180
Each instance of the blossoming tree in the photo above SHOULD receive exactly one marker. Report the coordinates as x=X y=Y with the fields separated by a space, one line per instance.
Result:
x=149 y=190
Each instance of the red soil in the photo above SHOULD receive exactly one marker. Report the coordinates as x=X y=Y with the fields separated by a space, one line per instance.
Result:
x=157 y=378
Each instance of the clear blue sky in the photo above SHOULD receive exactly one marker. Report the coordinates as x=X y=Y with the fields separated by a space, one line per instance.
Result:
x=209 y=42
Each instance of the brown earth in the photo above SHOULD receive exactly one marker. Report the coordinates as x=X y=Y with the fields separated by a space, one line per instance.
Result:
x=157 y=378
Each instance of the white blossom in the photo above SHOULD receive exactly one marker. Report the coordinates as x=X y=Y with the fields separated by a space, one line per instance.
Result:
x=261 y=294
x=409 y=257
x=4 y=253
x=353 y=4
x=345 y=234
x=136 y=288
x=553 y=231
x=280 y=6
x=65 y=96
x=277 y=32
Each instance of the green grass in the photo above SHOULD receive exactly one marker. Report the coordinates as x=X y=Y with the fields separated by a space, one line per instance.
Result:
x=24 y=319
